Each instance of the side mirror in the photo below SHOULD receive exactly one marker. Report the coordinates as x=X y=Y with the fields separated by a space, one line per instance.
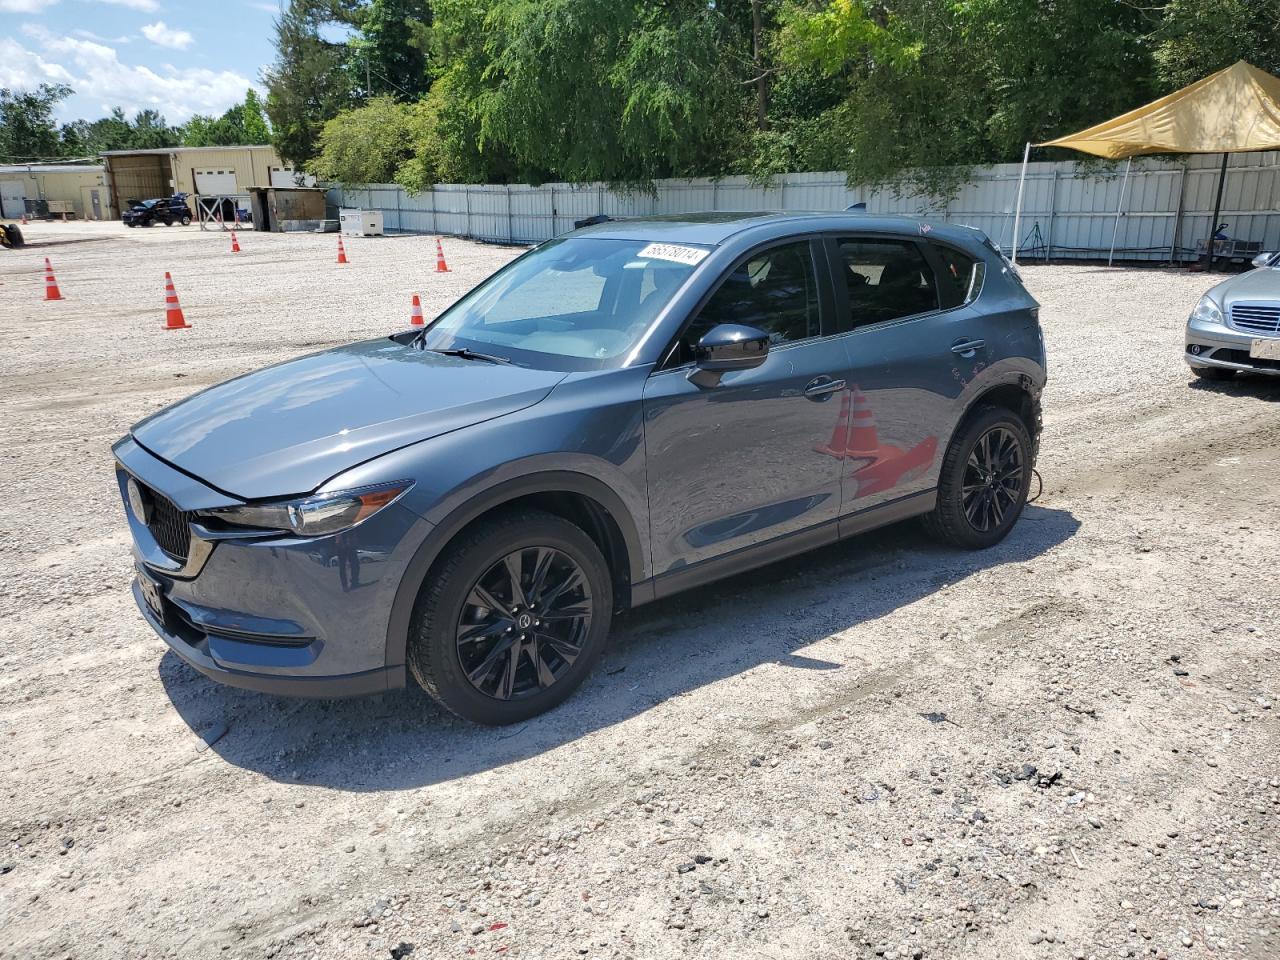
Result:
x=1263 y=259
x=730 y=346
x=724 y=348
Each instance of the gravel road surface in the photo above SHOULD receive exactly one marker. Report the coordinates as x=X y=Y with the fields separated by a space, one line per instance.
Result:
x=1065 y=747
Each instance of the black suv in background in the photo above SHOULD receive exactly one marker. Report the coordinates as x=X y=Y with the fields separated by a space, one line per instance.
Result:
x=146 y=213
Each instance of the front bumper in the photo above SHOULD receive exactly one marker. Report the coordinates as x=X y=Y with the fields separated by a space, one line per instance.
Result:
x=1217 y=345
x=279 y=614
x=195 y=650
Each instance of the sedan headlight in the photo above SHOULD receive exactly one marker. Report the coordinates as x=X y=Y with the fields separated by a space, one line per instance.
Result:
x=1206 y=311
x=313 y=516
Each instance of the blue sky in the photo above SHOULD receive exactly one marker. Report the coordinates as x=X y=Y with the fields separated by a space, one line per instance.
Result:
x=177 y=56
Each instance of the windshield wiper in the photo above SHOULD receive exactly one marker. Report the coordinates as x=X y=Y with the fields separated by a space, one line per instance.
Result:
x=466 y=354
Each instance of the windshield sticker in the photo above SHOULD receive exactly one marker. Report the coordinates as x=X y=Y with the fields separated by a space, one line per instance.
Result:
x=673 y=251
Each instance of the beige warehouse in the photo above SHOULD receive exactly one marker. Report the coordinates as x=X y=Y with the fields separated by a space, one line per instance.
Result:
x=211 y=171
x=55 y=189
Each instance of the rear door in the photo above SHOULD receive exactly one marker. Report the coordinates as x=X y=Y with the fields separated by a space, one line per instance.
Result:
x=736 y=464
x=903 y=302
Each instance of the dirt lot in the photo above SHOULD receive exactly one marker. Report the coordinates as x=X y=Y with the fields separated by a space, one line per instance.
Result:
x=758 y=769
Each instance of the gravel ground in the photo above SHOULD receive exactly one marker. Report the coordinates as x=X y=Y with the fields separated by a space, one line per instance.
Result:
x=1063 y=747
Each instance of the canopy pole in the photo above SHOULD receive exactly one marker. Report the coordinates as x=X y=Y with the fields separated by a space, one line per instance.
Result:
x=1017 y=211
x=1217 y=210
x=1124 y=185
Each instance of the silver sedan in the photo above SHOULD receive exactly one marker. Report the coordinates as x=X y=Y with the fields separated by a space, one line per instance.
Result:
x=1236 y=325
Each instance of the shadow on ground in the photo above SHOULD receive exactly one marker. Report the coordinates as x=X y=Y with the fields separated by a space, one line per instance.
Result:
x=1252 y=386
x=403 y=740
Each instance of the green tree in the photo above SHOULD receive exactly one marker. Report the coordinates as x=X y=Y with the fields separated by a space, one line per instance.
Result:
x=27 y=128
x=242 y=124
x=618 y=90
x=931 y=88
x=377 y=143
x=1198 y=37
x=310 y=81
x=389 y=56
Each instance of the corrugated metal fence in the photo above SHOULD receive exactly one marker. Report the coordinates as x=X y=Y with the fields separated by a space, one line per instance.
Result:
x=1068 y=212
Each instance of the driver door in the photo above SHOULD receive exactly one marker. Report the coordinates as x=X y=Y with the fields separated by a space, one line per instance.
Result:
x=742 y=462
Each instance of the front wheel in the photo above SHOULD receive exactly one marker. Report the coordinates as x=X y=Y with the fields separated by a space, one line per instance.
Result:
x=15 y=237
x=985 y=477
x=512 y=617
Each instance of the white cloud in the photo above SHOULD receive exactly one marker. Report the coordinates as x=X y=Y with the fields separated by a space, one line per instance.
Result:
x=25 y=6
x=146 y=6
x=165 y=36
x=95 y=72
x=90 y=35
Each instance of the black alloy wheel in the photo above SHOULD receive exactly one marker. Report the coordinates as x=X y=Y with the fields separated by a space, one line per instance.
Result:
x=984 y=480
x=993 y=479
x=524 y=623
x=511 y=617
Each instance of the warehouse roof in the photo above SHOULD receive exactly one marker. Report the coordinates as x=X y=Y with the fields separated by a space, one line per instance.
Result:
x=51 y=168
x=168 y=150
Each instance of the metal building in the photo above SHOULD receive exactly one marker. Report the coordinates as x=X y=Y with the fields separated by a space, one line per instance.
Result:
x=207 y=171
x=59 y=190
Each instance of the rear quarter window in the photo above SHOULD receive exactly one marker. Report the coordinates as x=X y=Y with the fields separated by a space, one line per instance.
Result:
x=960 y=275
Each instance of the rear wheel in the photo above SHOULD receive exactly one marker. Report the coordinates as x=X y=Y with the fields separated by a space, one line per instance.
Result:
x=15 y=236
x=185 y=221
x=1213 y=373
x=512 y=617
x=985 y=477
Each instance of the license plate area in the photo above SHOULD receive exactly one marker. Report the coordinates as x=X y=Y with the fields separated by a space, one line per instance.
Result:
x=1265 y=349
x=152 y=595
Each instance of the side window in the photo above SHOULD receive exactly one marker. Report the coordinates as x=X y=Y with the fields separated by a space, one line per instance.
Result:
x=775 y=290
x=961 y=277
x=886 y=279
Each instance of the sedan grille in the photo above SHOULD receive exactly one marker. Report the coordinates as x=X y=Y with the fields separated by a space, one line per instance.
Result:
x=1256 y=317
x=170 y=526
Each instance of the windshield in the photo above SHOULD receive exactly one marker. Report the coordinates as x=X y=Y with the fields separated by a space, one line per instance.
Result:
x=580 y=303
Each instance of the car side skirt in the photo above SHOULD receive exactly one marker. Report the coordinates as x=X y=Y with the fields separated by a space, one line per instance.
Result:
x=780 y=548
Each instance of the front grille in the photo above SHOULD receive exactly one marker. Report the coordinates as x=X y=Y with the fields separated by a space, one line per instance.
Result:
x=1256 y=317
x=170 y=526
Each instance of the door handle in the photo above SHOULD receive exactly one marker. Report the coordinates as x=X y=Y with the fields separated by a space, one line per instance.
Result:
x=967 y=348
x=820 y=388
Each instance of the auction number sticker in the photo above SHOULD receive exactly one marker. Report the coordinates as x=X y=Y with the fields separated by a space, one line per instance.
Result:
x=673 y=251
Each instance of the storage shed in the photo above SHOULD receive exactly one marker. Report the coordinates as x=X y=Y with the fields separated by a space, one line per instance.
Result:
x=60 y=190
x=285 y=209
x=204 y=171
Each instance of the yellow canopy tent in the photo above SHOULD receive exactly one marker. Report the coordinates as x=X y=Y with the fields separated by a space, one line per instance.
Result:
x=1235 y=110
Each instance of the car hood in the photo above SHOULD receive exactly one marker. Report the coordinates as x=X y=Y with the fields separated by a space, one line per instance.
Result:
x=286 y=429
x=1260 y=284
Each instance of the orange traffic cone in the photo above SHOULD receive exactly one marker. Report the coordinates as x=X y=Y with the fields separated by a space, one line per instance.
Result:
x=863 y=440
x=173 y=318
x=25 y=221
x=235 y=244
x=342 y=251
x=51 y=291
x=441 y=266
x=840 y=434
x=415 y=317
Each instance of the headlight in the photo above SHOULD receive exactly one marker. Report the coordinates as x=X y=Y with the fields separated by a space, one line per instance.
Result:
x=1207 y=311
x=314 y=516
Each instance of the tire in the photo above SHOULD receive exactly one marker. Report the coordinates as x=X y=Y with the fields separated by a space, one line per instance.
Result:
x=15 y=237
x=1217 y=374
x=447 y=608
x=974 y=524
x=130 y=225
x=185 y=221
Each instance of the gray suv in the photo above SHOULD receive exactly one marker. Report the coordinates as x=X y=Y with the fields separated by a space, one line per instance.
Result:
x=633 y=409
